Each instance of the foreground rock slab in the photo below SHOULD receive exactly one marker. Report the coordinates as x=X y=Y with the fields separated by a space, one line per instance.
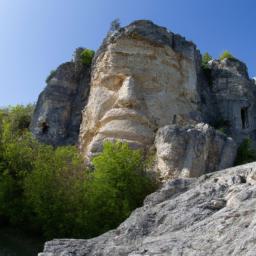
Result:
x=212 y=215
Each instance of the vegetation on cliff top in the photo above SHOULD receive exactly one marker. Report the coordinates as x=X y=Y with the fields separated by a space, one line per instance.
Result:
x=207 y=71
x=86 y=56
x=50 y=191
x=226 y=55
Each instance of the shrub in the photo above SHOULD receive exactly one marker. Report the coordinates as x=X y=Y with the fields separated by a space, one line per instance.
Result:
x=207 y=71
x=205 y=59
x=226 y=55
x=49 y=190
x=19 y=117
x=119 y=185
x=50 y=76
x=55 y=190
x=17 y=155
x=245 y=153
x=86 y=56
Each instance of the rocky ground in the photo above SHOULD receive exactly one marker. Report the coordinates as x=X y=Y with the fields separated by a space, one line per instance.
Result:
x=211 y=215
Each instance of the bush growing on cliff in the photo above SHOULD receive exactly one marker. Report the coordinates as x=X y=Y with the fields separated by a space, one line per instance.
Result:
x=226 y=55
x=207 y=71
x=245 y=153
x=205 y=59
x=87 y=56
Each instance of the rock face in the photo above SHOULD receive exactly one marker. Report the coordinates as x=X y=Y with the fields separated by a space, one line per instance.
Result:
x=192 y=150
x=234 y=95
x=142 y=77
x=212 y=215
x=57 y=116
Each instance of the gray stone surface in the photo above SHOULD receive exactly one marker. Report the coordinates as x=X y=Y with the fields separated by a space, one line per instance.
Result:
x=192 y=150
x=210 y=215
x=234 y=98
x=58 y=111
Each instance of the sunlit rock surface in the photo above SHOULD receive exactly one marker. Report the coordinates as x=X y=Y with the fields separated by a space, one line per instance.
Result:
x=142 y=77
x=192 y=150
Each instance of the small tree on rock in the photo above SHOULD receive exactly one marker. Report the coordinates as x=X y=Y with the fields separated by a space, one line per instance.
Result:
x=205 y=59
x=226 y=55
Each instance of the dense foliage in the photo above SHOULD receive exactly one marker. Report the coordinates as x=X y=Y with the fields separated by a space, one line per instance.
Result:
x=49 y=190
x=226 y=55
x=86 y=56
x=245 y=153
x=119 y=185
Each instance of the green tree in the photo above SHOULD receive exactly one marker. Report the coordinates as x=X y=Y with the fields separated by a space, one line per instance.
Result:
x=87 y=56
x=55 y=190
x=19 y=117
x=206 y=70
x=226 y=55
x=205 y=59
x=119 y=185
x=49 y=190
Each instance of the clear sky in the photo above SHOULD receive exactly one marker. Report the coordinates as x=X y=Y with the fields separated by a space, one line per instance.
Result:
x=38 y=35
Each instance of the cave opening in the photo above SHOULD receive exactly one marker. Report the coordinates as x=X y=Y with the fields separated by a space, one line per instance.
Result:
x=244 y=117
x=45 y=128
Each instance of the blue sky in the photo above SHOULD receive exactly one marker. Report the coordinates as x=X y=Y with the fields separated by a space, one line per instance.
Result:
x=38 y=35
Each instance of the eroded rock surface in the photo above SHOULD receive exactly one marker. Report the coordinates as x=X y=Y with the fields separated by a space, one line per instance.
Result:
x=142 y=77
x=192 y=150
x=234 y=95
x=212 y=215
x=58 y=111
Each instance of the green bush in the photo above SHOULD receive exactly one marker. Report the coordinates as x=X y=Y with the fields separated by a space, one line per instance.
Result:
x=226 y=55
x=50 y=191
x=50 y=76
x=205 y=59
x=119 y=185
x=207 y=71
x=86 y=56
x=245 y=153
x=19 y=117
x=55 y=191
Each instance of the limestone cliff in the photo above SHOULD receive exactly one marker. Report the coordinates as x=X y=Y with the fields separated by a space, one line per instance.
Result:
x=234 y=97
x=148 y=88
x=57 y=115
x=143 y=78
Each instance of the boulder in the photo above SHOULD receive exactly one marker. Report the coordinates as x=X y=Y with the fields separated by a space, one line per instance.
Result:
x=192 y=150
